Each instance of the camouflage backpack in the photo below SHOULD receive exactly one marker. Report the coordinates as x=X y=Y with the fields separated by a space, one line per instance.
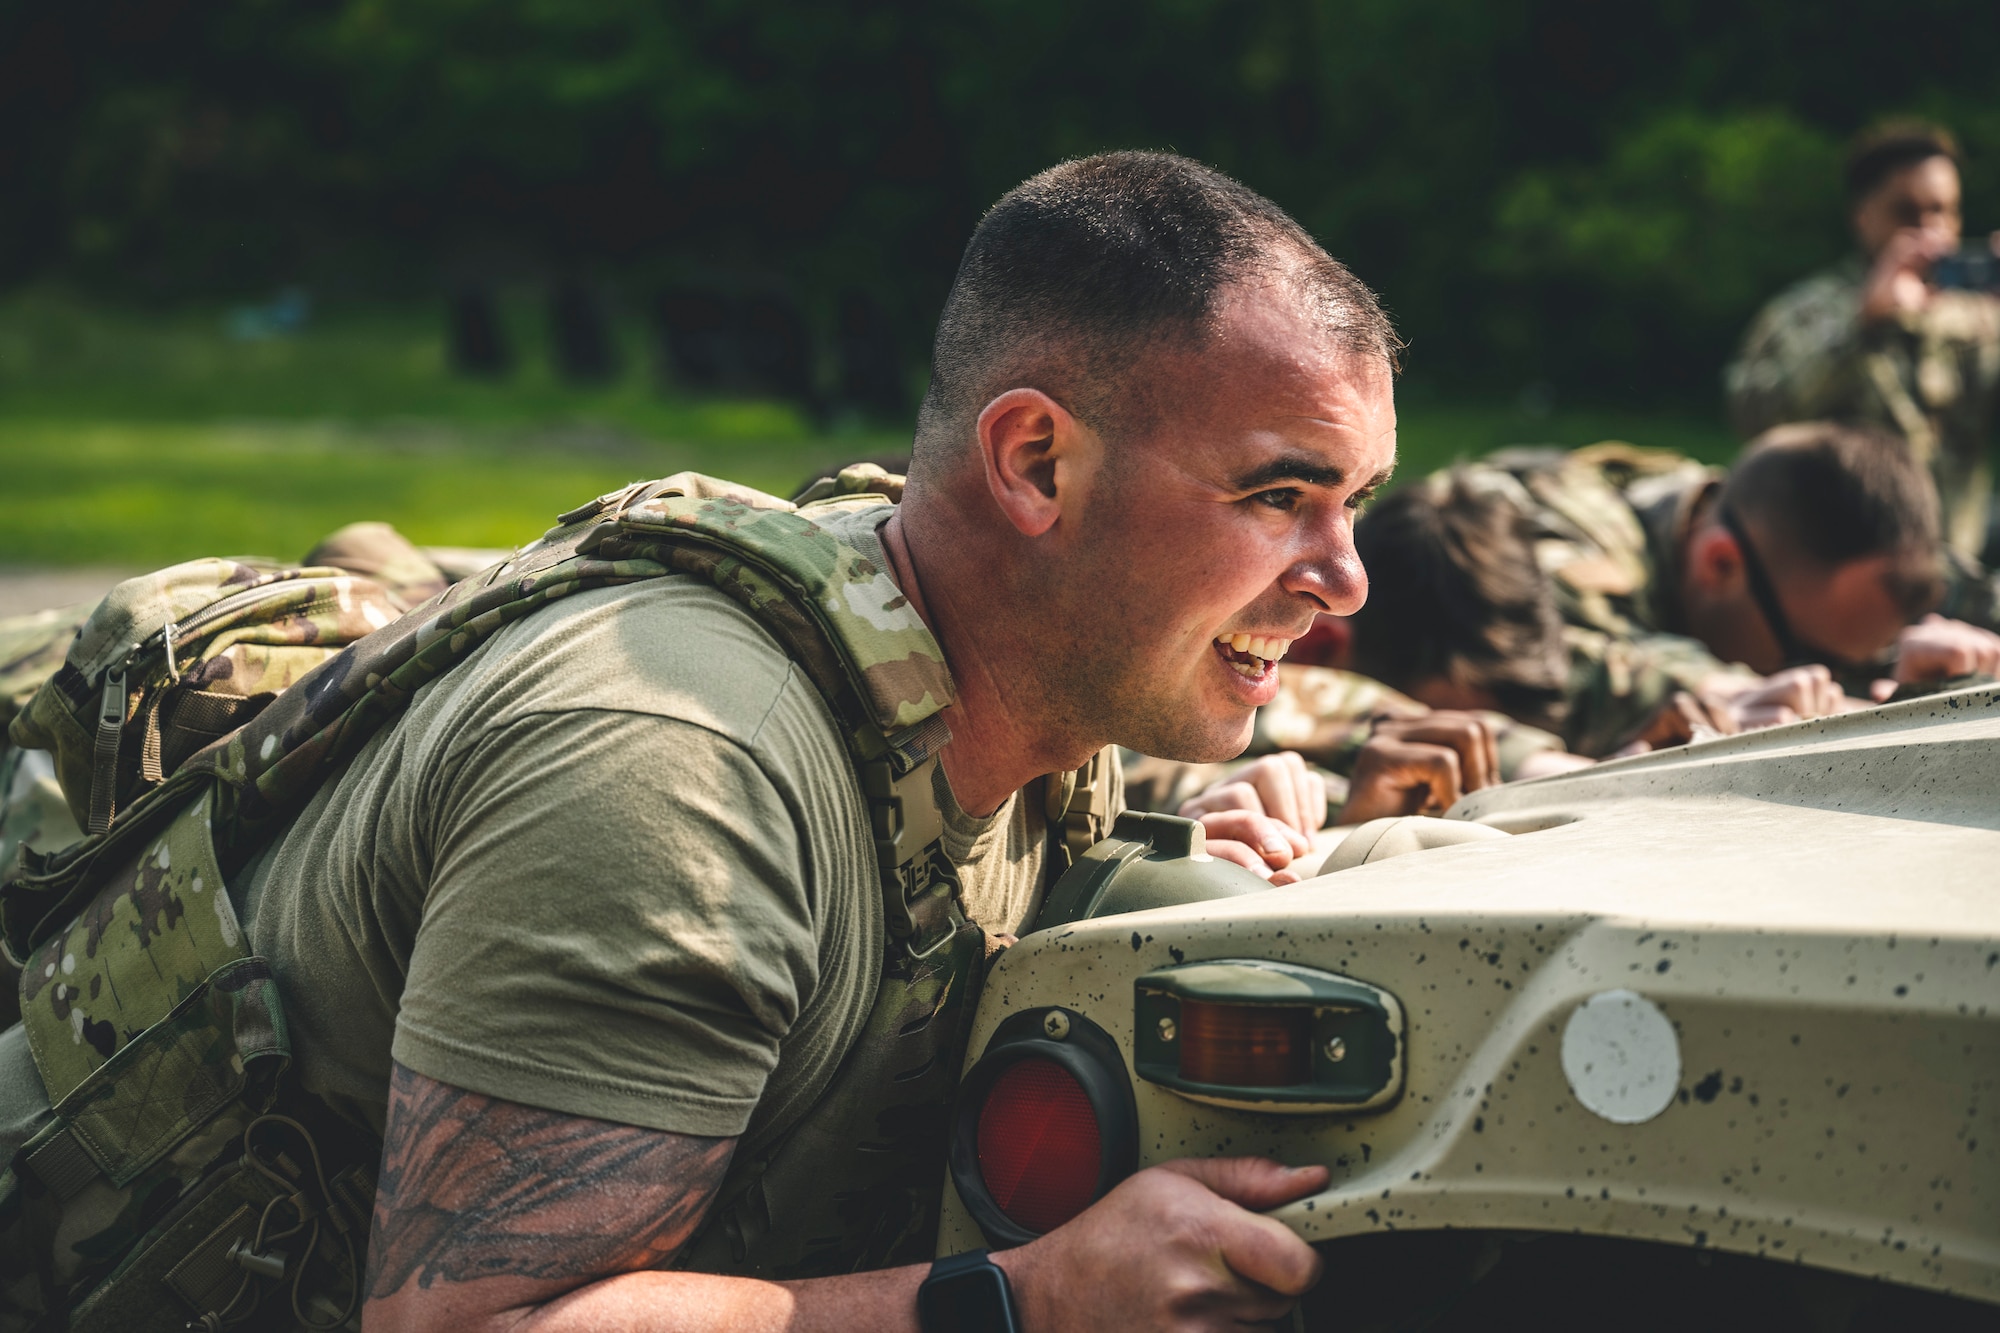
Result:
x=180 y=1175
x=171 y=662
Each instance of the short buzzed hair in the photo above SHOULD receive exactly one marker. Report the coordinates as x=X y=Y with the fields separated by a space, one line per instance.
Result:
x=1076 y=273
x=1455 y=593
x=1887 y=149
x=1825 y=493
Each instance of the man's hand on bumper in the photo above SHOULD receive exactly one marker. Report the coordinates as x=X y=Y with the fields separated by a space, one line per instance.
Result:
x=1178 y=1246
x=1421 y=765
x=1939 y=649
x=1263 y=815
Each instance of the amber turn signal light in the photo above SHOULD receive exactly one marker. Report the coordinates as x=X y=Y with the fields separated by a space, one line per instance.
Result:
x=1246 y=1045
x=1268 y=1036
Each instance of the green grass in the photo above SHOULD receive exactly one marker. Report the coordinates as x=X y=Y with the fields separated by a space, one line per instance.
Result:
x=146 y=493
x=137 y=440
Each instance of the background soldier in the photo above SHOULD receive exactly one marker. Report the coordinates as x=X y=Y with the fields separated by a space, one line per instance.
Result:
x=1873 y=340
x=1815 y=552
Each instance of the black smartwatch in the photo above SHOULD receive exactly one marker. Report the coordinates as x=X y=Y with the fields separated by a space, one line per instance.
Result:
x=967 y=1293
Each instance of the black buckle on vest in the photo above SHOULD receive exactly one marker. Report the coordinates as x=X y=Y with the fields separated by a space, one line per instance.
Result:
x=920 y=885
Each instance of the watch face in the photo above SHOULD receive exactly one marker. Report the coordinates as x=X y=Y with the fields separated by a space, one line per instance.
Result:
x=975 y=1301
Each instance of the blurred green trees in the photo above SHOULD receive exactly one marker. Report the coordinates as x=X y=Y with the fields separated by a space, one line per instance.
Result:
x=1590 y=195
x=1646 y=263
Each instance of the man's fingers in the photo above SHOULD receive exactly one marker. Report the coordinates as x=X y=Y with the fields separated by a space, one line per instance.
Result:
x=1787 y=696
x=1281 y=774
x=1938 y=649
x=1467 y=733
x=1257 y=1249
x=1256 y=1183
x=1228 y=849
x=1397 y=777
x=1315 y=801
x=1223 y=796
x=1434 y=775
x=1285 y=786
x=1443 y=775
x=1277 y=842
x=1758 y=716
x=1270 y=1254
x=1925 y=660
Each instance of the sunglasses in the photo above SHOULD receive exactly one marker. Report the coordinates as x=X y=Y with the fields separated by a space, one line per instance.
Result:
x=1796 y=650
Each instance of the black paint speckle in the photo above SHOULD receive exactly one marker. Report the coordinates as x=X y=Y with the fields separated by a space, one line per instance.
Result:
x=1708 y=1088
x=1136 y=941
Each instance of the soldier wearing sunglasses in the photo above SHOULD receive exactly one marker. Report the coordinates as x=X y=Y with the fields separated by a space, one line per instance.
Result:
x=1798 y=584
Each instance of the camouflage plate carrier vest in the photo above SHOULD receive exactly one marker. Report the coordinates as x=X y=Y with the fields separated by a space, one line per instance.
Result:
x=184 y=1183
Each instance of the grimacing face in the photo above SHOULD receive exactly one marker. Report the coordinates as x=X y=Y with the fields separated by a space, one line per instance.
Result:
x=1215 y=539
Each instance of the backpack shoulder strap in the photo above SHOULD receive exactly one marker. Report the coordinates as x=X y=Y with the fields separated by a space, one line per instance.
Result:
x=854 y=633
x=1078 y=805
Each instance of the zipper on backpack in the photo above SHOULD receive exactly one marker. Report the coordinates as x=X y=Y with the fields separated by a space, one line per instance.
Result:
x=165 y=637
x=111 y=709
x=104 y=755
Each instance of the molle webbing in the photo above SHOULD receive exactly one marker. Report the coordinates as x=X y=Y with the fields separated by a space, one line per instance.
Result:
x=1078 y=807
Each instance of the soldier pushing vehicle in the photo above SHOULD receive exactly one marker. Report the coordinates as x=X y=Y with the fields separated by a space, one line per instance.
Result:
x=627 y=903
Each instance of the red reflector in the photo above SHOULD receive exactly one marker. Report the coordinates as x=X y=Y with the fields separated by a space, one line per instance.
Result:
x=1245 y=1045
x=1039 y=1150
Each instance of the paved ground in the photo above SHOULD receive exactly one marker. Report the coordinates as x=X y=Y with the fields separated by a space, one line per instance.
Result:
x=26 y=588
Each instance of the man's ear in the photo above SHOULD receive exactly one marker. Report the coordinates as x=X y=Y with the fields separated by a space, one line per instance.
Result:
x=1715 y=561
x=1031 y=447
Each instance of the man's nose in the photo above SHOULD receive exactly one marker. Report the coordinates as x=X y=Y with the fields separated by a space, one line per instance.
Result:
x=1332 y=577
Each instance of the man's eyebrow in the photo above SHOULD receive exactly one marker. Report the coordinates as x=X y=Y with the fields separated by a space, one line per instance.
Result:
x=1294 y=467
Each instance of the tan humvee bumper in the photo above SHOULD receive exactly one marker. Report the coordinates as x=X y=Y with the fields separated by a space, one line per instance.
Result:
x=1815 y=910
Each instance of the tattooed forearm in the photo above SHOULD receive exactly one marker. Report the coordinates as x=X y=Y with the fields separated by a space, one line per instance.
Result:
x=473 y=1187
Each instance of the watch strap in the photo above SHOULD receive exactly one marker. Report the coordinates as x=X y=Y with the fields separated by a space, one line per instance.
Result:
x=966 y=1293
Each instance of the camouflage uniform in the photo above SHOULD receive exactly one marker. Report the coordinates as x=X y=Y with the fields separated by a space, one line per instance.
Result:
x=1326 y=715
x=33 y=814
x=1931 y=376
x=1610 y=523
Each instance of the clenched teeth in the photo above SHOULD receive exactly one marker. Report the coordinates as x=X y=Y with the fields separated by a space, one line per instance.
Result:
x=1256 y=645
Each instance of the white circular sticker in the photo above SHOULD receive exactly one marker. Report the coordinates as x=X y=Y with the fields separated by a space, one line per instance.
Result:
x=1621 y=1057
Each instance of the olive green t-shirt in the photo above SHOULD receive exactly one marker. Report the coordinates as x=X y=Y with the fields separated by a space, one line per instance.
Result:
x=614 y=865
